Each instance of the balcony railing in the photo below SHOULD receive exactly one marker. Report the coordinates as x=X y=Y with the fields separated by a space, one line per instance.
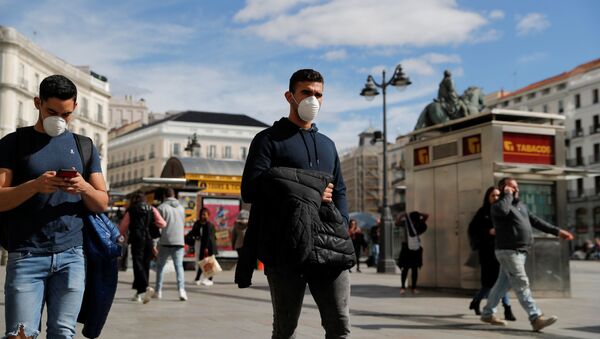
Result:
x=590 y=193
x=594 y=159
x=595 y=129
x=578 y=132
x=574 y=162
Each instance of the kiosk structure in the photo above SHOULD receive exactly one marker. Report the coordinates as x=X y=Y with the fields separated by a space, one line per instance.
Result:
x=450 y=165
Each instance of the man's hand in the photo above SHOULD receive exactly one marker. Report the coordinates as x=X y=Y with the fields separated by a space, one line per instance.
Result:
x=48 y=182
x=492 y=231
x=75 y=185
x=566 y=235
x=328 y=193
x=509 y=190
x=154 y=251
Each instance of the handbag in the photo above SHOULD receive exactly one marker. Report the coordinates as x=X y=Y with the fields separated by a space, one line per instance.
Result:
x=210 y=266
x=413 y=241
x=101 y=238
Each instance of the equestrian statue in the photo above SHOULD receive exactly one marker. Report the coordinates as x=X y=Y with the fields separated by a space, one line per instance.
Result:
x=450 y=106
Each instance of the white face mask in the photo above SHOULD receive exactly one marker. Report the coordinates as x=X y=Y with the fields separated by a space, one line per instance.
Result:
x=54 y=125
x=308 y=108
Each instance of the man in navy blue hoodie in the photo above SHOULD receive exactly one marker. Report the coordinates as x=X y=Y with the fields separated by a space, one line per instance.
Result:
x=295 y=142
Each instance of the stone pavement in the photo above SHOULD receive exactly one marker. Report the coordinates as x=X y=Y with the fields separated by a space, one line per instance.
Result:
x=377 y=311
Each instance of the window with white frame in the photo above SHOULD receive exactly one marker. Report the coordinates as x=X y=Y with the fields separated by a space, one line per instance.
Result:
x=243 y=152
x=212 y=151
x=227 y=152
x=100 y=113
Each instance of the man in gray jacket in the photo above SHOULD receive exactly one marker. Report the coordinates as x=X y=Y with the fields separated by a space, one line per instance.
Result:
x=171 y=242
x=512 y=222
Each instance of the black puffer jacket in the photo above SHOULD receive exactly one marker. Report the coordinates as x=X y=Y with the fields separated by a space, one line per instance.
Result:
x=289 y=229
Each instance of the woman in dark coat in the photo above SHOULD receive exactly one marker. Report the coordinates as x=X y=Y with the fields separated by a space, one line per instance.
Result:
x=205 y=231
x=411 y=259
x=482 y=236
x=358 y=240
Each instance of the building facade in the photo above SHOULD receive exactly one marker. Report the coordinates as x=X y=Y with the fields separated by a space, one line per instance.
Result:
x=574 y=94
x=143 y=152
x=362 y=174
x=23 y=65
x=126 y=110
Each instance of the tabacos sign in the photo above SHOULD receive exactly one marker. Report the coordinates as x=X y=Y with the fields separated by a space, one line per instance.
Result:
x=528 y=148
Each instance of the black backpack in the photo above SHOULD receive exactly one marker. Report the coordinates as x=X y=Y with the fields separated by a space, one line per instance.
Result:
x=23 y=138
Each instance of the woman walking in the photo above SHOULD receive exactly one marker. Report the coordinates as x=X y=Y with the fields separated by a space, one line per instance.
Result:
x=140 y=215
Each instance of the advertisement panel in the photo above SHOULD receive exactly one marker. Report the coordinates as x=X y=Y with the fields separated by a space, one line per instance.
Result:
x=189 y=201
x=223 y=213
x=528 y=148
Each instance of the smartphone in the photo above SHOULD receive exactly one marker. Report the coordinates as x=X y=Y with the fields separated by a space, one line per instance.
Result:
x=66 y=173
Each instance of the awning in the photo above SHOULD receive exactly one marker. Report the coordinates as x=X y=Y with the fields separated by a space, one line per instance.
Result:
x=541 y=172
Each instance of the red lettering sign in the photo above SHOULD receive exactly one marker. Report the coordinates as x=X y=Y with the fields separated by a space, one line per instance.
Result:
x=528 y=148
x=472 y=144
x=421 y=156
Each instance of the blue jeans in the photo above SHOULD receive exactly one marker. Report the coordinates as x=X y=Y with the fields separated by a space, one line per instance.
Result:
x=485 y=291
x=512 y=274
x=57 y=279
x=332 y=296
x=176 y=253
x=375 y=253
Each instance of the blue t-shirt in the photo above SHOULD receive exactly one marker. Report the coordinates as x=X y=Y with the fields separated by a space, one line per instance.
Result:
x=45 y=223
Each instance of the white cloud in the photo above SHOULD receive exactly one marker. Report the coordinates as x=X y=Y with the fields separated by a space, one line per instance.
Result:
x=260 y=9
x=496 y=14
x=339 y=54
x=425 y=64
x=377 y=24
x=532 y=23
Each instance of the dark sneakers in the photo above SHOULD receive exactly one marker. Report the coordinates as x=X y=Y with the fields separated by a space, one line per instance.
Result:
x=508 y=314
x=540 y=322
x=492 y=320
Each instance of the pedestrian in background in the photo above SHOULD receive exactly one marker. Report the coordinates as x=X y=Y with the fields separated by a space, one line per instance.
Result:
x=204 y=230
x=411 y=258
x=358 y=241
x=514 y=237
x=375 y=235
x=137 y=220
x=482 y=236
x=239 y=230
x=171 y=243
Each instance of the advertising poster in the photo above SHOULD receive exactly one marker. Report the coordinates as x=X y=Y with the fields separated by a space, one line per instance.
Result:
x=223 y=213
x=188 y=201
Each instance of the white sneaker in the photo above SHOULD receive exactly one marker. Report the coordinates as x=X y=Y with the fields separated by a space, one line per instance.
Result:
x=207 y=282
x=148 y=295
x=197 y=282
x=137 y=297
x=182 y=295
x=157 y=295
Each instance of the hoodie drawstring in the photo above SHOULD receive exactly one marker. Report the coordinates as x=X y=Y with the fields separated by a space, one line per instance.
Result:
x=307 y=151
x=314 y=137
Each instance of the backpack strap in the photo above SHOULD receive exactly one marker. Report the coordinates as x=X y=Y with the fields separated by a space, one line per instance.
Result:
x=84 y=147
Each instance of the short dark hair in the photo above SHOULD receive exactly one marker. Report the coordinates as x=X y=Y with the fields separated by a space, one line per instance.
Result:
x=204 y=209
x=503 y=182
x=169 y=192
x=58 y=86
x=304 y=75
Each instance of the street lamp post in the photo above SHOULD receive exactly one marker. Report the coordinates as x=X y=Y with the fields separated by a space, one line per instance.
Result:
x=192 y=144
x=399 y=80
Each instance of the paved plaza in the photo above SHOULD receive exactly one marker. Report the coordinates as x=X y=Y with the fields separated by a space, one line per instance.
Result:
x=377 y=311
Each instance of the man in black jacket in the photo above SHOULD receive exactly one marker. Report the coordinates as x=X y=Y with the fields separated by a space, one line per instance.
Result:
x=295 y=142
x=512 y=222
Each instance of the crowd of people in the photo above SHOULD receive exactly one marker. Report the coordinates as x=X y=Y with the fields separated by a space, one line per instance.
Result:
x=292 y=179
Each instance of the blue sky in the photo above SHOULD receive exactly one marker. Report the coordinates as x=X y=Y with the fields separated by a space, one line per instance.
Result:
x=236 y=56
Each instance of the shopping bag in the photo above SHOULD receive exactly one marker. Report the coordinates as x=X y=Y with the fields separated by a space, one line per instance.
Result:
x=209 y=266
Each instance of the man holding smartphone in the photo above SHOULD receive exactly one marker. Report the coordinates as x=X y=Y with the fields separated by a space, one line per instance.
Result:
x=42 y=215
x=512 y=222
